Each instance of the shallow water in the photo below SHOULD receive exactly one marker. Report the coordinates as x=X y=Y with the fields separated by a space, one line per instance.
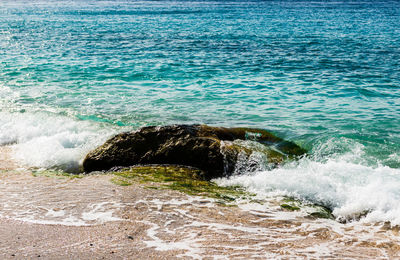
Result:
x=322 y=74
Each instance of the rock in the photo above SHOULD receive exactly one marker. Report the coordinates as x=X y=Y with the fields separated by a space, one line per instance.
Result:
x=215 y=150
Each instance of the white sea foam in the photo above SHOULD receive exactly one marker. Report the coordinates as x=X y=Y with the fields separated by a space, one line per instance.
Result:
x=188 y=244
x=339 y=175
x=93 y=214
x=99 y=214
x=350 y=189
x=47 y=140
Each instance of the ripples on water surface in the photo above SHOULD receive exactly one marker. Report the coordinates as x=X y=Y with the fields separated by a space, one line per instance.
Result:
x=323 y=74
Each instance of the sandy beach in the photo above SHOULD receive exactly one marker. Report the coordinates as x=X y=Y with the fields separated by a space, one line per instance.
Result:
x=92 y=218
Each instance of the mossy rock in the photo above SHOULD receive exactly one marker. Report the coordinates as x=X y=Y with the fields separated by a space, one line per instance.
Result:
x=211 y=149
x=184 y=179
x=120 y=181
x=289 y=207
x=321 y=214
x=313 y=210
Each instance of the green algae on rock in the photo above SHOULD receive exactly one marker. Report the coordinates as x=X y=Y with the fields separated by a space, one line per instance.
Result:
x=184 y=179
x=120 y=181
x=313 y=210
x=211 y=149
x=289 y=207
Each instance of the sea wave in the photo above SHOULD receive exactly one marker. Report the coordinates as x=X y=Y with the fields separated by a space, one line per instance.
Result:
x=345 y=183
x=48 y=140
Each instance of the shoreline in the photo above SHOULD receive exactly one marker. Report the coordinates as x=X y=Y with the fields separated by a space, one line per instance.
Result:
x=136 y=220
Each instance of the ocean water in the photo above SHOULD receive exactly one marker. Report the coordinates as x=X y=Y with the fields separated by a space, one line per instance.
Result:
x=323 y=74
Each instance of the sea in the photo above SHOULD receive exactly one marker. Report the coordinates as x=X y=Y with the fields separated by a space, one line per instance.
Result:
x=322 y=74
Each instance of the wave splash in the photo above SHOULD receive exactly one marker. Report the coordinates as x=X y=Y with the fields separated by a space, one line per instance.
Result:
x=346 y=183
x=46 y=140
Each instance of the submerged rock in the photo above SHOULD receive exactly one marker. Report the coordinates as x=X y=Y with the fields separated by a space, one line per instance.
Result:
x=215 y=150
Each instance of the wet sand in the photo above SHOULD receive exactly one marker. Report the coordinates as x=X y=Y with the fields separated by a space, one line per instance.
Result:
x=6 y=162
x=92 y=218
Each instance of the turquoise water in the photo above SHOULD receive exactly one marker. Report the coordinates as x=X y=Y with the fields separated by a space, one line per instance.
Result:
x=323 y=74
